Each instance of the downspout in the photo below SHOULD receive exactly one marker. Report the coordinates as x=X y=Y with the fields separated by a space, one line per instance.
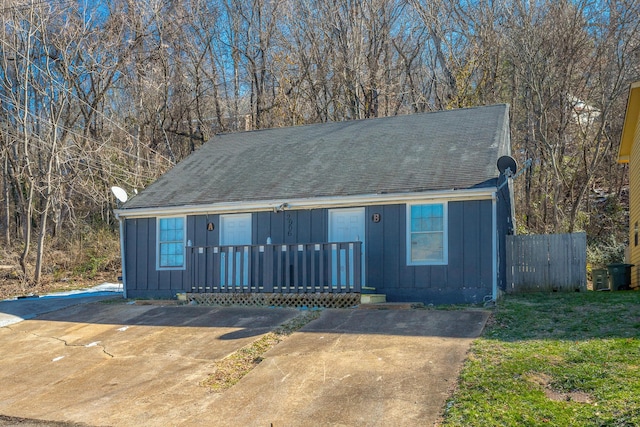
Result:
x=122 y=257
x=494 y=245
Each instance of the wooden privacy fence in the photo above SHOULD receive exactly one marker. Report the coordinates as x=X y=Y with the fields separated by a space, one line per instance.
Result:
x=289 y=268
x=549 y=262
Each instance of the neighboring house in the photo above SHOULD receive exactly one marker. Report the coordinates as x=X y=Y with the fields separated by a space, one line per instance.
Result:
x=406 y=206
x=629 y=152
x=583 y=113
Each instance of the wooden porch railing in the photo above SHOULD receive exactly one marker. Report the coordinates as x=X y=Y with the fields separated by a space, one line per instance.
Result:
x=289 y=268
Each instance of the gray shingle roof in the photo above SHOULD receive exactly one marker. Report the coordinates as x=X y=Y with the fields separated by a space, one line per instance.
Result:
x=432 y=151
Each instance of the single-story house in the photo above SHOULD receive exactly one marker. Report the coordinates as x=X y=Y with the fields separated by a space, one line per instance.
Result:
x=629 y=152
x=412 y=207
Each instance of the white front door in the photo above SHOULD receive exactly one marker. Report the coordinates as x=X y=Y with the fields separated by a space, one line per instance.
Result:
x=235 y=230
x=346 y=225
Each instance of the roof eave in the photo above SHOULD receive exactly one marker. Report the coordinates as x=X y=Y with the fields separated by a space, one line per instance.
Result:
x=309 y=203
x=631 y=118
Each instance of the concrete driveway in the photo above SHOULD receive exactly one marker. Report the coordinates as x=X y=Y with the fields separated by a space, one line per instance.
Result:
x=129 y=365
x=19 y=309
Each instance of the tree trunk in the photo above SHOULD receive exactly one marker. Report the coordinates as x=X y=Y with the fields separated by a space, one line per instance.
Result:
x=7 y=203
x=41 y=242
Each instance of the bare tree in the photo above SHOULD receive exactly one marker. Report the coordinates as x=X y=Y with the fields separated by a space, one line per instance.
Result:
x=116 y=92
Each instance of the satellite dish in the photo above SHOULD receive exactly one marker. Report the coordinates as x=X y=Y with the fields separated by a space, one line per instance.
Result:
x=507 y=166
x=120 y=194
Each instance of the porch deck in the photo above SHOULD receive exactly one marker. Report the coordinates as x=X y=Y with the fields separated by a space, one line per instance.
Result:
x=310 y=268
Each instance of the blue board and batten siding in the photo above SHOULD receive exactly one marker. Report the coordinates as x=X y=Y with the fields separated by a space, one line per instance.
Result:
x=467 y=276
x=143 y=279
x=505 y=213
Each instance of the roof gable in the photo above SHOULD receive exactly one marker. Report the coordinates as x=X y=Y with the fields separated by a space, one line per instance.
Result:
x=443 y=150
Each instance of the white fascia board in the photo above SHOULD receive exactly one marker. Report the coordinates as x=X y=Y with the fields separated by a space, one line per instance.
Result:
x=310 y=203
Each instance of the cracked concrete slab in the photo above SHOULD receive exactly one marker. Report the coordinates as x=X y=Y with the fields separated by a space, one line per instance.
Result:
x=121 y=365
x=124 y=365
x=355 y=368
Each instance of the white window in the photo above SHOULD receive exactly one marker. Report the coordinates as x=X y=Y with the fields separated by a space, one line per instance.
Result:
x=171 y=243
x=427 y=234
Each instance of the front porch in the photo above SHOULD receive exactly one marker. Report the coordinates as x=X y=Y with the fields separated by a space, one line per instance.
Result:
x=310 y=268
x=294 y=275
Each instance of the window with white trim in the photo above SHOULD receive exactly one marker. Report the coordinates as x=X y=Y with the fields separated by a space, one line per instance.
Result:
x=427 y=234
x=171 y=243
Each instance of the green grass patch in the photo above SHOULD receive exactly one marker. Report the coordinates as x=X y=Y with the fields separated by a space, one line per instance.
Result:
x=554 y=359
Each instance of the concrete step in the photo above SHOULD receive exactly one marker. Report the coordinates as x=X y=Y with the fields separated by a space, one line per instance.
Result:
x=372 y=298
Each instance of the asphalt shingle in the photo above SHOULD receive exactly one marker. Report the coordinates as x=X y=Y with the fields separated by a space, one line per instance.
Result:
x=442 y=150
